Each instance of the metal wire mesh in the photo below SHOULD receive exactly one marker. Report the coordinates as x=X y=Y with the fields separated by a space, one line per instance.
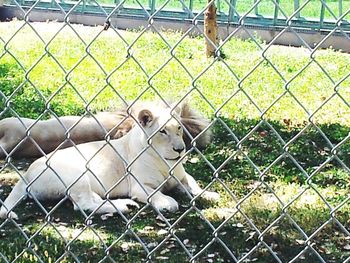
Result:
x=148 y=234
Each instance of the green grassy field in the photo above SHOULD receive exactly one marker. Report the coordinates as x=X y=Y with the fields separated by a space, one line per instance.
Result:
x=256 y=183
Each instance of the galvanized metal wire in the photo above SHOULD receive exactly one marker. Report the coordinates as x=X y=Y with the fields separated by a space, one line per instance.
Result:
x=151 y=13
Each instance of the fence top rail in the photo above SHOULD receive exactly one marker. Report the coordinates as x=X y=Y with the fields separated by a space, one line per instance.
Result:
x=313 y=16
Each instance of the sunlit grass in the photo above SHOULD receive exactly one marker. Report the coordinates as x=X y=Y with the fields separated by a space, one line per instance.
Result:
x=71 y=67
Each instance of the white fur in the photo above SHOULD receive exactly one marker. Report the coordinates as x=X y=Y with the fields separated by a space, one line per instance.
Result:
x=89 y=171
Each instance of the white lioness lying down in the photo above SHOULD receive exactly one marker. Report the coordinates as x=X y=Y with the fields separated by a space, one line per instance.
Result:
x=98 y=169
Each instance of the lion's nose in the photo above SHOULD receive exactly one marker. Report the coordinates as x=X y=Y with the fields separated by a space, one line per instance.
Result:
x=179 y=150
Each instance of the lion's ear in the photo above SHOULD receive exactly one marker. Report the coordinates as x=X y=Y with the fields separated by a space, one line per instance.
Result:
x=177 y=109
x=145 y=118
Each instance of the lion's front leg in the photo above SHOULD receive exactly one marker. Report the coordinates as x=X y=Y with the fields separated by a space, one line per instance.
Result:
x=146 y=194
x=192 y=186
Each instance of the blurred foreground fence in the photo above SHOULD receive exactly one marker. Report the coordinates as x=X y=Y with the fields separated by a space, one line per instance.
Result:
x=302 y=14
x=115 y=239
x=313 y=20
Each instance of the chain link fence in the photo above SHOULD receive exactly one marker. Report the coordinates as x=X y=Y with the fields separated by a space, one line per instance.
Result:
x=279 y=156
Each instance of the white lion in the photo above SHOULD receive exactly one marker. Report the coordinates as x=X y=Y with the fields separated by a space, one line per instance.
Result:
x=133 y=166
x=30 y=138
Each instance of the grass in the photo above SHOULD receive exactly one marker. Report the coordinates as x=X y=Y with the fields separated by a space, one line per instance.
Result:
x=263 y=192
x=256 y=87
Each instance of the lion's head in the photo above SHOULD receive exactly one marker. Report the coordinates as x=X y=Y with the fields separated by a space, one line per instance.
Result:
x=163 y=131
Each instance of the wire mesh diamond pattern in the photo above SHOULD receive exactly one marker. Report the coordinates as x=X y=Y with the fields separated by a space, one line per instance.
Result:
x=279 y=155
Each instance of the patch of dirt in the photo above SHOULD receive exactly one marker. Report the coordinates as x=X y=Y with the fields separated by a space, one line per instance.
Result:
x=10 y=171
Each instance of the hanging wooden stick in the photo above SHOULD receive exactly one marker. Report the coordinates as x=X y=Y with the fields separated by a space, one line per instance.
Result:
x=211 y=29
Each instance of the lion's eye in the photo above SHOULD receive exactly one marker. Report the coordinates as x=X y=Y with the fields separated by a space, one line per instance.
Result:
x=163 y=131
x=179 y=128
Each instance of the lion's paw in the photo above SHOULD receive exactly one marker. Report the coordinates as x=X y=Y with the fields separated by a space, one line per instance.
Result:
x=210 y=196
x=4 y=215
x=124 y=205
x=166 y=204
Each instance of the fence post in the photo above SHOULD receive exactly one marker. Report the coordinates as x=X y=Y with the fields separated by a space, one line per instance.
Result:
x=296 y=6
x=322 y=15
x=210 y=29
x=152 y=5
x=275 y=15
x=231 y=11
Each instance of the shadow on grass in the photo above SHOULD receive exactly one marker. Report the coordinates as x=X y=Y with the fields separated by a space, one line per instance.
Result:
x=263 y=151
x=69 y=235
x=27 y=100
